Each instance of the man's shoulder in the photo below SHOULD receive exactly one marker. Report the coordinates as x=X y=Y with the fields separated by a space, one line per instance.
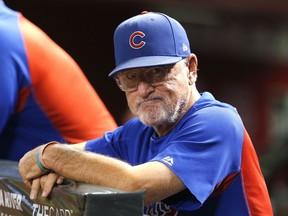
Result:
x=208 y=112
x=208 y=100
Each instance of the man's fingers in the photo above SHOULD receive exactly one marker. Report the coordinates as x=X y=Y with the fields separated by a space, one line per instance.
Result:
x=60 y=180
x=35 y=188
x=47 y=183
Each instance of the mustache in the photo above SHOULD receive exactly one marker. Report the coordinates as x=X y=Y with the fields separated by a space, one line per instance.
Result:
x=140 y=101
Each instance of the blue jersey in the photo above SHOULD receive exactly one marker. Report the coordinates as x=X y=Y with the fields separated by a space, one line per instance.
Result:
x=209 y=150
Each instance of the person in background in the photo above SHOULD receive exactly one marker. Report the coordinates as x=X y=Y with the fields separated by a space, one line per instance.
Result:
x=44 y=95
x=190 y=152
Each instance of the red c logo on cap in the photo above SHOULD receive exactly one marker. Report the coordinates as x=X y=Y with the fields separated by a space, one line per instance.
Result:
x=133 y=36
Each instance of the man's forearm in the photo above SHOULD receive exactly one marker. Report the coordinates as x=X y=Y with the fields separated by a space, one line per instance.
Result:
x=68 y=161
x=88 y=167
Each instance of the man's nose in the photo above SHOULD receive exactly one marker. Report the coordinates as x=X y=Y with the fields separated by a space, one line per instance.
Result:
x=144 y=88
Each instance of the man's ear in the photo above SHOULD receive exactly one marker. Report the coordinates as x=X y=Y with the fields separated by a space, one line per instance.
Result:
x=192 y=64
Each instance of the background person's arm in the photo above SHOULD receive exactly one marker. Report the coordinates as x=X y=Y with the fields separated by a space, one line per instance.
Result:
x=62 y=89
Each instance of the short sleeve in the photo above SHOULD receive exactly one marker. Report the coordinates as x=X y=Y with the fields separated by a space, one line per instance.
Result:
x=110 y=144
x=206 y=148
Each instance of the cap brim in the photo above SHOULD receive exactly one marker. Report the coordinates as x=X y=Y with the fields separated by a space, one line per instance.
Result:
x=145 y=61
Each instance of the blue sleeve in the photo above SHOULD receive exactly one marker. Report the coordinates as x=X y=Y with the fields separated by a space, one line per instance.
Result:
x=205 y=150
x=109 y=144
x=129 y=143
x=8 y=95
x=8 y=68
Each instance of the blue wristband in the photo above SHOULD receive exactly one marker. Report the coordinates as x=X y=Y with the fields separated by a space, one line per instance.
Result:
x=41 y=167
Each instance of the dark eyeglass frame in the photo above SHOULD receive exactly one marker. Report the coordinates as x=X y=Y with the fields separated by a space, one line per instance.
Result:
x=152 y=80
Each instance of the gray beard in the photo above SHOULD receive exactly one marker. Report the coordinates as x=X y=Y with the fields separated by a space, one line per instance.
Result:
x=164 y=118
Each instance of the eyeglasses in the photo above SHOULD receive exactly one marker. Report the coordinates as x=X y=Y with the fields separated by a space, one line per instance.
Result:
x=129 y=81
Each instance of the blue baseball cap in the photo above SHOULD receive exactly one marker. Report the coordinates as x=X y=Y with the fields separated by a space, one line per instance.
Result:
x=149 y=39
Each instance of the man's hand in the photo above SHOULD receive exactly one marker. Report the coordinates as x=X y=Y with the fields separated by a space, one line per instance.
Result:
x=34 y=177
x=45 y=183
x=28 y=167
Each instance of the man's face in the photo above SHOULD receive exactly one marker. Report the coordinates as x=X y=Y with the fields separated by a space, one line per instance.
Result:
x=162 y=105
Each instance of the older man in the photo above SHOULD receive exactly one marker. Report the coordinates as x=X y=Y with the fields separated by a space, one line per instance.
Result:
x=188 y=151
